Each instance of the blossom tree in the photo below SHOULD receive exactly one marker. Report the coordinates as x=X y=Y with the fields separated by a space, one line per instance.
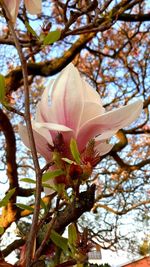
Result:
x=86 y=156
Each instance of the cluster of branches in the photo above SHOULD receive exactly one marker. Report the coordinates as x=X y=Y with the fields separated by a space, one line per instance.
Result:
x=108 y=42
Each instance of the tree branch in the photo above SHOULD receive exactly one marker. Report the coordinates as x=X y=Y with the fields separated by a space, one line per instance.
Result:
x=123 y=211
x=134 y=17
x=11 y=247
x=9 y=212
x=47 y=68
x=126 y=166
x=7 y=129
x=73 y=211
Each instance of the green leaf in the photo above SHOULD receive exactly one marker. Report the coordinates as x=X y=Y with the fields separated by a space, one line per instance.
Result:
x=24 y=207
x=50 y=175
x=52 y=37
x=74 y=151
x=28 y=180
x=1 y=230
x=2 y=88
x=30 y=30
x=6 y=199
x=47 y=186
x=59 y=241
x=69 y=161
x=72 y=234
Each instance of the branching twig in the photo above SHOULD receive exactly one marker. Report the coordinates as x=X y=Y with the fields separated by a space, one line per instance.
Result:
x=32 y=234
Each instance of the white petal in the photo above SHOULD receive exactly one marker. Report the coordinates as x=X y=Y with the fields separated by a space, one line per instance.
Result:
x=38 y=115
x=52 y=126
x=90 y=110
x=43 y=131
x=92 y=104
x=54 y=129
x=67 y=97
x=40 y=142
x=44 y=112
x=103 y=148
x=105 y=136
x=91 y=95
x=109 y=122
x=62 y=101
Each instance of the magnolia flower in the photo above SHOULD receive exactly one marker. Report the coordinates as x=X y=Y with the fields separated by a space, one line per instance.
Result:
x=32 y=6
x=70 y=106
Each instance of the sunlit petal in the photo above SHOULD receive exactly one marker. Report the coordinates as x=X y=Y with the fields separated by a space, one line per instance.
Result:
x=45 y=112
x=105 y=136
x=43 y=131
x=90 y=95
x=67 y=98
x=90 y=110
x=110 y=121
x=41 y=143
x=54 y=129
x=103 y=148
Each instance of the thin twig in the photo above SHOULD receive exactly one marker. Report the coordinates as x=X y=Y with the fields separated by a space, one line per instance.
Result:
x=47 y=235
x=32 y=234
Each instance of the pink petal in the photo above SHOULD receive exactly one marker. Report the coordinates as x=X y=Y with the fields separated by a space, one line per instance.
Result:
x=90 y=95
x=45 y=112
x=90 y=110
x=54 y=129
x=66 y=99
x=38 y=115
x=43 y=131
x=40 y=141
x=13 y=7
x=110 y=121
x=105 y=136
x=92 y=104
x=103 y=148
x=33 y=6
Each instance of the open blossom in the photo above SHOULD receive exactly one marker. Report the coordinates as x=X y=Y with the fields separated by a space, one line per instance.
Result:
x=32 y=6
x=70 y=106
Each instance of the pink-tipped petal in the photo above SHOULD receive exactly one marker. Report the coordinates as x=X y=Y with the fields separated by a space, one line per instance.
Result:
x=92 y=104
x=67 y=98
x=13 y=7
x=110 y=121
x=52 y=126
x=43 y=131
x=40 y=141
x=33 y=6
x=90 y=95
x=54 y=129
x=45 y=112
x=38 y=115
x=90 y=110
x=105 y=136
